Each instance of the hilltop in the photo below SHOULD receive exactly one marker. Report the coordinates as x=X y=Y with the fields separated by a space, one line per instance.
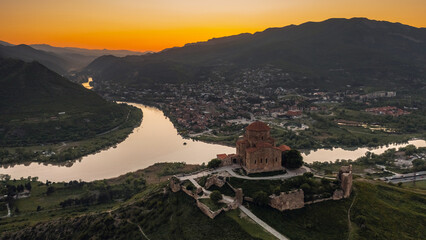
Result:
x=333 y=53
x=131 y=207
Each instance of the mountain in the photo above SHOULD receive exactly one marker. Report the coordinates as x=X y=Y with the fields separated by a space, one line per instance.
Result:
x=26 y=53
x=5 y=43
x=330 y=54
x=60 y=60
x=39 y=106
x=81 y=57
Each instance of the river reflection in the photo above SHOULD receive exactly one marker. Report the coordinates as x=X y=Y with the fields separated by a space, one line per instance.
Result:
x=326 y=155
x=156 y=140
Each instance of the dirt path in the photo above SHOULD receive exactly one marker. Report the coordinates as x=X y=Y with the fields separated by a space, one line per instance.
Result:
x=349 y=218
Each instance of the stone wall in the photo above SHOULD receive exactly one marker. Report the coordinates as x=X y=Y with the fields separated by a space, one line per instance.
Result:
x=288 y=201
x=214 y=180
x=206 y=210
x=175 y=184
x=338 y=194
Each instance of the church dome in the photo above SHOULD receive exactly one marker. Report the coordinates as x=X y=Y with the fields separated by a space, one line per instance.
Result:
x=258 y=126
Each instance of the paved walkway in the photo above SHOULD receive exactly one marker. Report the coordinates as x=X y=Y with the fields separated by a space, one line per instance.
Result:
x=262 y=223
x=230 y=168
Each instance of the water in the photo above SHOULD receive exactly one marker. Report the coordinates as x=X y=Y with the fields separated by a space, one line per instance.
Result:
x=326 y=155
x=156 y=140
x=87 y=84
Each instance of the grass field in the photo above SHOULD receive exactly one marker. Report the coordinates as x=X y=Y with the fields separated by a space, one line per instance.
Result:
x=213 y=206
x=380 y=211
x=418 y=184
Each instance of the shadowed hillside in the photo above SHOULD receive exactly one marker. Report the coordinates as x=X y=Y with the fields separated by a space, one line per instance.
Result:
x=333 y=53
x=39 y=106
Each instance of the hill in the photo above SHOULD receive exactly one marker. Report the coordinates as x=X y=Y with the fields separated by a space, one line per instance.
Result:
x=28 y=54
x=333 y=53
x=377 y=211
x=61 y=60
x=39 y=106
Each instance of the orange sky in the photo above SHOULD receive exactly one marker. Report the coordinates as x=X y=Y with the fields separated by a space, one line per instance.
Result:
x=157 y=24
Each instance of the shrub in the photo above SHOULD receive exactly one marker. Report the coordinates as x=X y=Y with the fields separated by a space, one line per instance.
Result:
x=261 y=198
x=215 y=196
x=214 y=163
x=292 y=159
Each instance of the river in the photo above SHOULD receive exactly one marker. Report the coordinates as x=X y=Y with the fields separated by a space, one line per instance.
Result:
x=155 y=140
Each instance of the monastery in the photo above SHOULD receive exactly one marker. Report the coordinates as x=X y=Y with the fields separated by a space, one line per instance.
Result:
x=256 y=151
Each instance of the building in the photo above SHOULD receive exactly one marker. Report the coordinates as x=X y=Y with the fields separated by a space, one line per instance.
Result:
x=256 y=151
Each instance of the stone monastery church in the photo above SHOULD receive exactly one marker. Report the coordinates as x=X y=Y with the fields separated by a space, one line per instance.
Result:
x=256 y=151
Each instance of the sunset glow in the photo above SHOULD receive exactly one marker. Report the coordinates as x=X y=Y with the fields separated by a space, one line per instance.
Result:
x=157 y=24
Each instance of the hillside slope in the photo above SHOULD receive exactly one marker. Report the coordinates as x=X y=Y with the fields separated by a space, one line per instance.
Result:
x=39 y=106
x=332 y=53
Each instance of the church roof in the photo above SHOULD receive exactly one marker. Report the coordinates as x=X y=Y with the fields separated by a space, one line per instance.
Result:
x=258 y=126
x=284 y=148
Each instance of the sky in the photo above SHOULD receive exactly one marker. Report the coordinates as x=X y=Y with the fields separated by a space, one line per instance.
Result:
x=153 y=25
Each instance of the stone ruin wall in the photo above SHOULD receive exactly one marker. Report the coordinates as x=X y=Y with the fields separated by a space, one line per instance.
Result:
x=346 y=180
x=206 y=210
x=214 y=180
x=288 y=201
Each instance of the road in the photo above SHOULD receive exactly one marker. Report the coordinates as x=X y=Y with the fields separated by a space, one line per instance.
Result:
x=262 y=223
x=229 y=170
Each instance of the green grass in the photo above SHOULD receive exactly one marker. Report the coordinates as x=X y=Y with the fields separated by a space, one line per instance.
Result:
x=213 y=206
x=225 y=190
x=418 y=185
x=249 y=226
x=380 y=211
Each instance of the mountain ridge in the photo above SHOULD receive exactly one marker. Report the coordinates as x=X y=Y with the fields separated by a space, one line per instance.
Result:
x=364 y=49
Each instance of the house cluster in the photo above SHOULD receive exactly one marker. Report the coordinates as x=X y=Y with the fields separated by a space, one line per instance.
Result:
x=388 y=110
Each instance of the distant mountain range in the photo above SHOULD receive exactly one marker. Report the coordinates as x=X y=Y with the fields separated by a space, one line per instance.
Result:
x=60 y=60
x=329 y=54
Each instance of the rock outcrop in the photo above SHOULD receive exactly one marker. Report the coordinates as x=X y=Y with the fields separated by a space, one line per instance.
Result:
x=288 y=201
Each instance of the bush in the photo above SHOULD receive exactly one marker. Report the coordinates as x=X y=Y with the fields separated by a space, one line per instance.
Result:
x=292 y=159
x=305 y=187
x=216 y=196
x=214 y=163
x=261 y=198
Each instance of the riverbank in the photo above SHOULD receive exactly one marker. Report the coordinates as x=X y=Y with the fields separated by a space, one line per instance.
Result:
x=65 y=153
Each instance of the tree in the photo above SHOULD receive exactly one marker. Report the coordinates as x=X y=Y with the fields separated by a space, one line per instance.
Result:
x=292 y=159
x=261 y=198
x=50 y=190
x=215 y=196
x=214 y=163
x=305 y=187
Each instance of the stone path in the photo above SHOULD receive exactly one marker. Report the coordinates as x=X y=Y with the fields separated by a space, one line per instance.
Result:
x=262 y=223
x=229 y=170
x=289 y=174
x=8 y=211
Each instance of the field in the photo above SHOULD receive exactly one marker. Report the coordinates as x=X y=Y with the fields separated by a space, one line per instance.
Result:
x=379 y=211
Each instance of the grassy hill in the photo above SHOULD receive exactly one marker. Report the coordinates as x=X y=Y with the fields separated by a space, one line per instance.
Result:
x=37 y=106
x=332 y=53
x=377 y=211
